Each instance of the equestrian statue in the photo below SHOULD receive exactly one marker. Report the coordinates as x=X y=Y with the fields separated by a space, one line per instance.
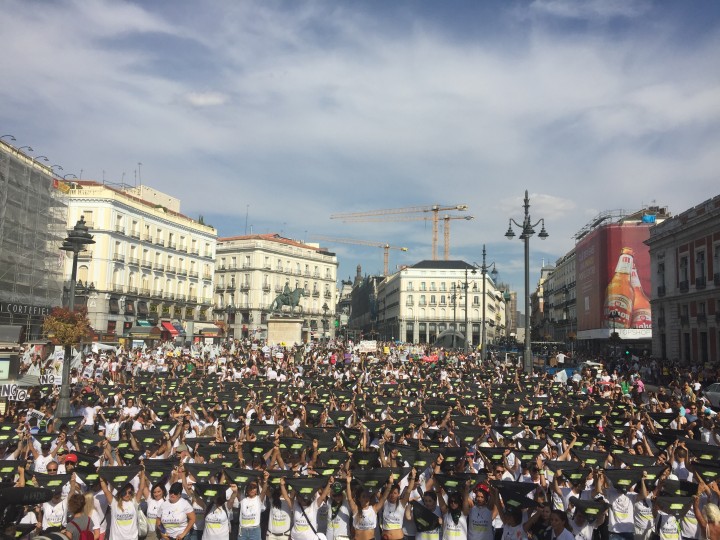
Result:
x=287 y=298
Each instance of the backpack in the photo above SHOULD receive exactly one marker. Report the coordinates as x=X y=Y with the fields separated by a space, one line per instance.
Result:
x=86 y=534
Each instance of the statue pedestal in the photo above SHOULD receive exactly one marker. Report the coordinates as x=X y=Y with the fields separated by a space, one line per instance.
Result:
x=287 y=330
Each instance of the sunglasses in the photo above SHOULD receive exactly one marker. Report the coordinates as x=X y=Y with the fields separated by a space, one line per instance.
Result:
x=51 y=470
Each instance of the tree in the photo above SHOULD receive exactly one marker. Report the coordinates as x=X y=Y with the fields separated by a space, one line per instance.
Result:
x=65 y=327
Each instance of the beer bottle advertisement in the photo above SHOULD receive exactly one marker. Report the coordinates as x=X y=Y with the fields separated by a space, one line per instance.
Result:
x=641 y=313
x=619 y=296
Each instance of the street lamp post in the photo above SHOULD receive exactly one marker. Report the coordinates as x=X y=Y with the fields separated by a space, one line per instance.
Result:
x=78 y=237
x=614 y=315
x=493 y=273
x=467 y=341
x=528 y=229
x=325 y=309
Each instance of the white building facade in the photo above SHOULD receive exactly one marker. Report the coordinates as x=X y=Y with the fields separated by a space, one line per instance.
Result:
x=418 y=303
x=252 y=270
x=150 y=264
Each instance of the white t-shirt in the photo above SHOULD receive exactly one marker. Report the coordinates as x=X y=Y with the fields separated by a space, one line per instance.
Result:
x=153 y=511
x=54 y=515
x=217 y=524
x=173 y=516
x=302 y=528
x=280 y=518
x=620 y=518
x=124 y=522
x=480 y=523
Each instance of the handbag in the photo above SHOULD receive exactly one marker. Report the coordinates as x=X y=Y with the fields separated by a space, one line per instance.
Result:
x=142 y=522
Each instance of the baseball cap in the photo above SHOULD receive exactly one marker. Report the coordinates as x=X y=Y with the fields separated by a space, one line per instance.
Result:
x=71 y=458
x=337 y=487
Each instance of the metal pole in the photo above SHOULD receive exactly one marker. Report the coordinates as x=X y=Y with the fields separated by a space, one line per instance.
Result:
x=467 y=341
x=483 y=337
x=63 y=405
x=454 y=313
x=528 y=360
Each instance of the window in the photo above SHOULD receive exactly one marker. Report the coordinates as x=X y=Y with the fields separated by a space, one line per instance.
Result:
x=432 y=286
x=683 y=269
x=422 y=285
x=442 y=287
x=422 y=300
x=409 y=286
x=409 y=299
x=442 y=299
x=88 y=217
x=700 y=265
x=476 y=300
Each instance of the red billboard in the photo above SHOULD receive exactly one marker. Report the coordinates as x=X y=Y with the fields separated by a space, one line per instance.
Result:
x=612 y=266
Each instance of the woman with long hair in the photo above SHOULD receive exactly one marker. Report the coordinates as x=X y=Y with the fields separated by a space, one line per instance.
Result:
x=304 y=510
x=394 y=509
x=154 y=496
x=365 y=515
x=217 y=513
x=560 y=526
x=280 y=520
x=123 y=510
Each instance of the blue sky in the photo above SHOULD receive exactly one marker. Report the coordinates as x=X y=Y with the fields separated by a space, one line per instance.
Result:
x=298 y=110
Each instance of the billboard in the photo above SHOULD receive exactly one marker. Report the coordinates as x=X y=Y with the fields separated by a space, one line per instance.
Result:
x=612 y=274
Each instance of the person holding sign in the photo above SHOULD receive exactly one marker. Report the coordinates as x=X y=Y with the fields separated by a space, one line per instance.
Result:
x=365 y=516
x=123 y=513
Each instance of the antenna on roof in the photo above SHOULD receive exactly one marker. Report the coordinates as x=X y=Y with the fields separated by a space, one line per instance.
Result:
x=139 y=173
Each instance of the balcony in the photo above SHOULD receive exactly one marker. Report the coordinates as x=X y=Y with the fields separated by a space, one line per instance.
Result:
x=157 y=294
x=134 y=261
x=182 y=272
x=684 y=320
x=432 y=304
x=147 y=238
x=135 y=234
x=231 y=287
x=409 y=303
x=244 y=286
x=194 y=251
x=180 y=297
x=172 y=245
x=120 y=229
x=316 y=275
x=132 y=290
x=661 y=291
x=145 y=264
x=170 y=270
x=159 y=242
x=278 y=289
x=117 y=257
x=327 y=294
x=192 y=299
x=266 y=287
x=159 y=267
x=316 y=294
x=118 y=288
x=207 y=277
x=208 y=255
x=684 y=286
x=307 y=273
x=145 y=292
x=700 y=282
x=702 y=318
x=194 y=274
x=168 y=296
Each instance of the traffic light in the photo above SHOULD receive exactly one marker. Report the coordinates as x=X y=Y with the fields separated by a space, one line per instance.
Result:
x=627 y=351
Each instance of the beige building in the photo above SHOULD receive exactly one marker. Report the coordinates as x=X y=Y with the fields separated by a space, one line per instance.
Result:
x=251 y=271
x=149 y=265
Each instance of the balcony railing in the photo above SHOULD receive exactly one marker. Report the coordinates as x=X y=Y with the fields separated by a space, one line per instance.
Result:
x=684 y=286
x=159 y=242
x=316 y=294
x=661 y=290
x=194 y=274
x=194 y=251
x=220 y=288
x=207 y=276
x=266 y=287
x=147 y=238
x=118 y=288
x=134 y=261
x=168 y=296
x=146 y=264
x=135 y=234
x=158 y=266
x=157 y=294
x=120 y=229
x=208 y=255
x=244 y=286
x=117 y=257
x=182 y=272
x=132 y=290
x=172 y=245
x=192 y=298
x=700 y=282
x=180 y=297
x=145 y=292
x=327 y=294
x=409 y=303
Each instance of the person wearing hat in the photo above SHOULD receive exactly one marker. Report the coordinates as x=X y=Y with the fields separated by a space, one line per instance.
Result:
x=340 y=514
x=481 y=514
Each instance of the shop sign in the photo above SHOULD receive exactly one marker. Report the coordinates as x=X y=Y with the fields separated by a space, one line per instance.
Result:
x=24 y=309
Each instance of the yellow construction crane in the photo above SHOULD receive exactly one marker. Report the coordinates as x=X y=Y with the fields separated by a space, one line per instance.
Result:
x=387 y=247
x=386 y=215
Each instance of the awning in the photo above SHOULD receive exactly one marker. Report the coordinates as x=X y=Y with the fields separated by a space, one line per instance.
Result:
x=170 y=328
x=206 y=329
x=144 y=332
x=144 y=323
x=180 y=329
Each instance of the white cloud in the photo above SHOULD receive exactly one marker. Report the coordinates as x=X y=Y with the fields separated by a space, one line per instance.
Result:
x=206 y=99
x=591 y=9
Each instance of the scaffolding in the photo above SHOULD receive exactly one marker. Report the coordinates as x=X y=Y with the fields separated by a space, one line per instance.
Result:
x=33 y=214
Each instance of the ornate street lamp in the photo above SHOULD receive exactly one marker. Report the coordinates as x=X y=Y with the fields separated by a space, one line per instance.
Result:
x=325 y=309
x=528 y=229
x=484 y=268
x=78 y=237
x=10 y=136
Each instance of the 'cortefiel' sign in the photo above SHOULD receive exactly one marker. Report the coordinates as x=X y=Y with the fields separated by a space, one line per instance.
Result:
x=12 y=308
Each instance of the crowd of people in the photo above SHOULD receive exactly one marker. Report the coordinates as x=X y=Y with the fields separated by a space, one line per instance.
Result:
x=243 y=441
